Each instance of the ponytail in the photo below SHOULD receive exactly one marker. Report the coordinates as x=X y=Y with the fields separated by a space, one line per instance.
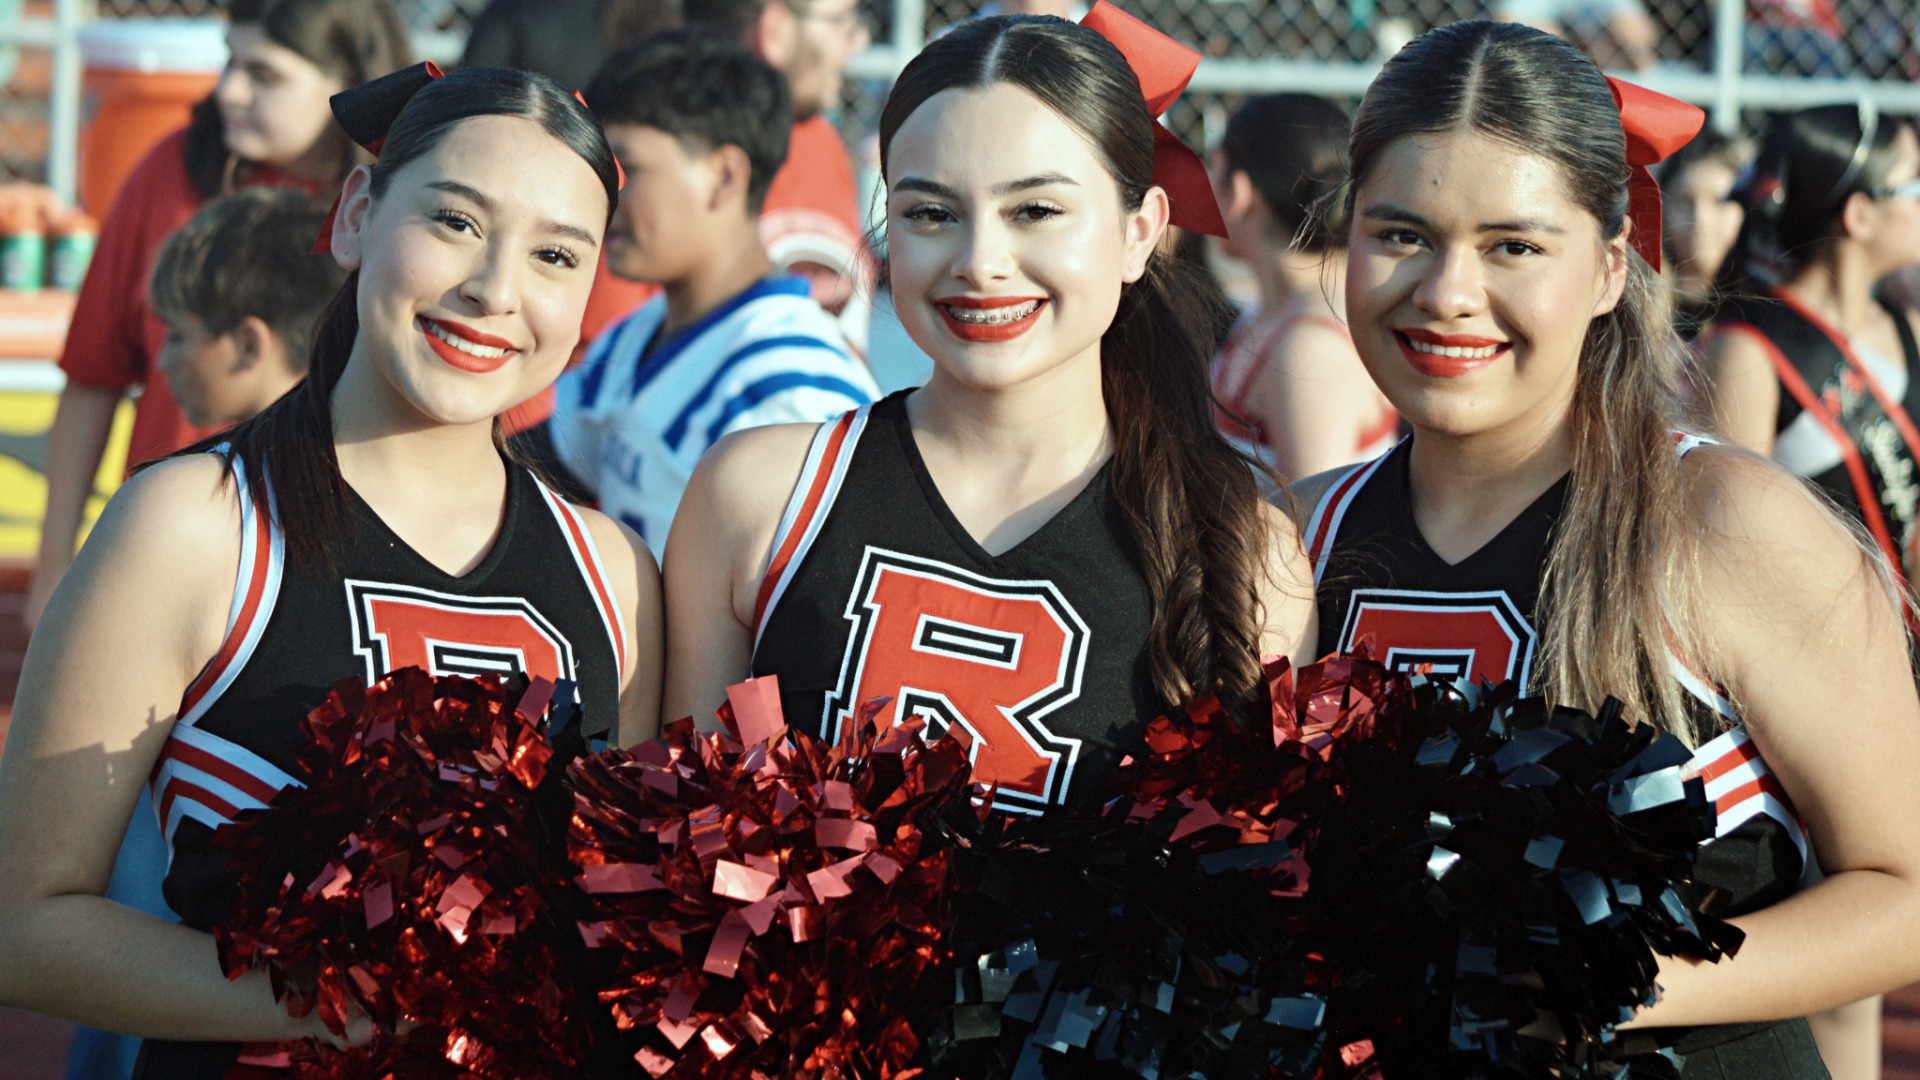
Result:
x=290 y=444
x=1191 y=503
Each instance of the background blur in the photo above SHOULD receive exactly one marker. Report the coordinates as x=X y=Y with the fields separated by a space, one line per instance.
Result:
x=1736 y=58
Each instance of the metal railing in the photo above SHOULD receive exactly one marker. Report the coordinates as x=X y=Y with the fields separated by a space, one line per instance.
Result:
x=1255 y=46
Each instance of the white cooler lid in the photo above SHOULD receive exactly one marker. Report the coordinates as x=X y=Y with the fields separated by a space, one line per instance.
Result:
x=152 y=45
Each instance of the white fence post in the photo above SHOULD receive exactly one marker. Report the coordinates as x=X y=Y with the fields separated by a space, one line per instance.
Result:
x=909 y=28
x=1729 y=48
x=63 y=102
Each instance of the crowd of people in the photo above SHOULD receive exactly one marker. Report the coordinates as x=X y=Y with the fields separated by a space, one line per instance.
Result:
x=1530 y=379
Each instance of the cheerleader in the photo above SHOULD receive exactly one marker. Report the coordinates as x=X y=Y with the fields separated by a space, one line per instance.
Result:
x=1802 y=362
x=1291 y=388
x=265 y=125
x=1048 y=543
x=1545 y=522
x=365 y=522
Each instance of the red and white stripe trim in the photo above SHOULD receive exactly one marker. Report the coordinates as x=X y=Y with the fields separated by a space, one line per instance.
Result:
x=201 y=775
x=586 y=556
x=813 y=497
x=256 y=588
x=1324 y=525
x=1742 y=787
x=1685 y=442
x=210 y=779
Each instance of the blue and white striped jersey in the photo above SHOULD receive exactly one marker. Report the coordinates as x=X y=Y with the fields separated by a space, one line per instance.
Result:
x=632 y=420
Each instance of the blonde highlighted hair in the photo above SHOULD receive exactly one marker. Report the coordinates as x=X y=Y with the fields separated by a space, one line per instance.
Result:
x=1620 y=587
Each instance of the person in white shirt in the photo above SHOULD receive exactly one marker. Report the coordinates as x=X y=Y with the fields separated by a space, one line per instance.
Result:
x=699 y=125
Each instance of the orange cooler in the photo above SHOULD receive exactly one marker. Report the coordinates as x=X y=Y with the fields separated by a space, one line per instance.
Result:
x=143 y=76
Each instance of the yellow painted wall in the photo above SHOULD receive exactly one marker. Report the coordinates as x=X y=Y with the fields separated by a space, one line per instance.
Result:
x=24 y=420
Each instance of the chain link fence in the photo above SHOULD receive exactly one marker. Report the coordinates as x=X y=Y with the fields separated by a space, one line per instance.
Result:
x=1731 y=54
x=1738 y=56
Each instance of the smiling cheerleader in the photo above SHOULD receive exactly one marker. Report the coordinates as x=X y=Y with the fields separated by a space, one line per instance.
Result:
x=1546 y=523
x=1047 y=544
x=366 y=522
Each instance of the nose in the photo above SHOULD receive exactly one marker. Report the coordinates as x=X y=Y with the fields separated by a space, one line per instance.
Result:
x=1451 y=285
x=492 y=284
x=233 y=90
x=985 y=255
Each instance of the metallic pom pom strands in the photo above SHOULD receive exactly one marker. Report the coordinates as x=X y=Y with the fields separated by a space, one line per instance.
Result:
x=414 y=880
x=775 y=901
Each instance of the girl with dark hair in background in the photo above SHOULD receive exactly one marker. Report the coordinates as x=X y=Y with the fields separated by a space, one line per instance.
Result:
x=1803 y=362
x=1048 y=544
x=1290 y=386
x=367 y=521
x=1702 y=219
x=266 y=123
x=1547 y=523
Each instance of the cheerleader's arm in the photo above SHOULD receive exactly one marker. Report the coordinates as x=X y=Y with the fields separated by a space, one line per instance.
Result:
x=717 y=553
x=1802 y=626
x=142 y=610
x=636 y=587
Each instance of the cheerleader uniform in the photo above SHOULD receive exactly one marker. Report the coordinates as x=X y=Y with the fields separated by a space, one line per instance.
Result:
x=876 y=593
x=1379 y=583
x=1844 y=421
x=1246 y=354
x=539 y=604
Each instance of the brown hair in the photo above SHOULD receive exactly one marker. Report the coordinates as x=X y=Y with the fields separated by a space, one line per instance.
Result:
x=291 y=442
x=248 y=254
x=1294 y=149
x=1190 y=501
x=356 y=40
x=1619 y=576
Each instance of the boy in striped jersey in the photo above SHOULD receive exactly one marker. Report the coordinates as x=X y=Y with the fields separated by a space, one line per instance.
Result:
x=698 y=123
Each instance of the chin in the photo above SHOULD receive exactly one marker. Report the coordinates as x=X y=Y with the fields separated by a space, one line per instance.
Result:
x=246 y=146
x=449 y=404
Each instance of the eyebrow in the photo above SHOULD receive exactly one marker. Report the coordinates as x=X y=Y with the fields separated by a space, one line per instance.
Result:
x=454 y=187
x=939 y=190
x=1390 y=212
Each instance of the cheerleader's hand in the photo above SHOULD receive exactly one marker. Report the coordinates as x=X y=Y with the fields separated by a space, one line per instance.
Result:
x=360 y=1029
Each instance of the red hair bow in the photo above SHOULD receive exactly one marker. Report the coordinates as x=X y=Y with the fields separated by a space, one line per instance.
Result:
x=1164 y=67
x=1656 y=127
x=619 y=170
x=366 y=113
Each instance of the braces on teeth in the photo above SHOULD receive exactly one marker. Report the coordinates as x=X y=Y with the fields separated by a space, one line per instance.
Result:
x=991 y=316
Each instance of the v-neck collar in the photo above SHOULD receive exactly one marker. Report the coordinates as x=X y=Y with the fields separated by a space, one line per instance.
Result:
x=661 y=347
x=1076 y=507
x=1546 y=505
x=368 y=517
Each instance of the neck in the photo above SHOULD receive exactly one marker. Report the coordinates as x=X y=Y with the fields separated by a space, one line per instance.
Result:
x=693 y=297
x=1290 y=279
x=1058 y=419
x=386 y=447
x=1479 y=482
x=322 y=163
x=1837 y=285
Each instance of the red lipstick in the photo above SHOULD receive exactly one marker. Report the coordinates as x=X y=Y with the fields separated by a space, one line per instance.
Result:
x=993 y=331
x=1448 y=367
x=457 y=358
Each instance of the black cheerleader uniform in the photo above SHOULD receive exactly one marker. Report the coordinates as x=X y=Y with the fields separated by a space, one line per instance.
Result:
x=877 y=596
x=539 y=603
x=1845 y=417
x=1380 y=586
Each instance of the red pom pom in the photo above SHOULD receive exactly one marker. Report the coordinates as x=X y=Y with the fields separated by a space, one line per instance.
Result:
x=411 y=881
x=779 y=903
